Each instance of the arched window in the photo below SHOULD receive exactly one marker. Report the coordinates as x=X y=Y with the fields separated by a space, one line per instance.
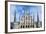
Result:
x=23 y=26
x=26 y=26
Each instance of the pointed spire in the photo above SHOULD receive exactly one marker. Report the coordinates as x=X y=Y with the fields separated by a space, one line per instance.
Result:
x=37 y=20
x=33 y=20
x=15 y=16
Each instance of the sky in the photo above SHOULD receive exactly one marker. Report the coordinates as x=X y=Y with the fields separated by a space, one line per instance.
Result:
x=20 y=9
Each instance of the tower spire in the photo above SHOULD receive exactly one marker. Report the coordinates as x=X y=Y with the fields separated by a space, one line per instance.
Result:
x=15 y=16
x=33 y=19
x=37 y=20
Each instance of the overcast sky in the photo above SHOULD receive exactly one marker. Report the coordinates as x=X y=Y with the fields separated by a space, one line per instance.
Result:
x=20 y=11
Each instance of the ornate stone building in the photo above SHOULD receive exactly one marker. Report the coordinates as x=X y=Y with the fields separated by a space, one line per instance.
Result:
x=25 y=21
